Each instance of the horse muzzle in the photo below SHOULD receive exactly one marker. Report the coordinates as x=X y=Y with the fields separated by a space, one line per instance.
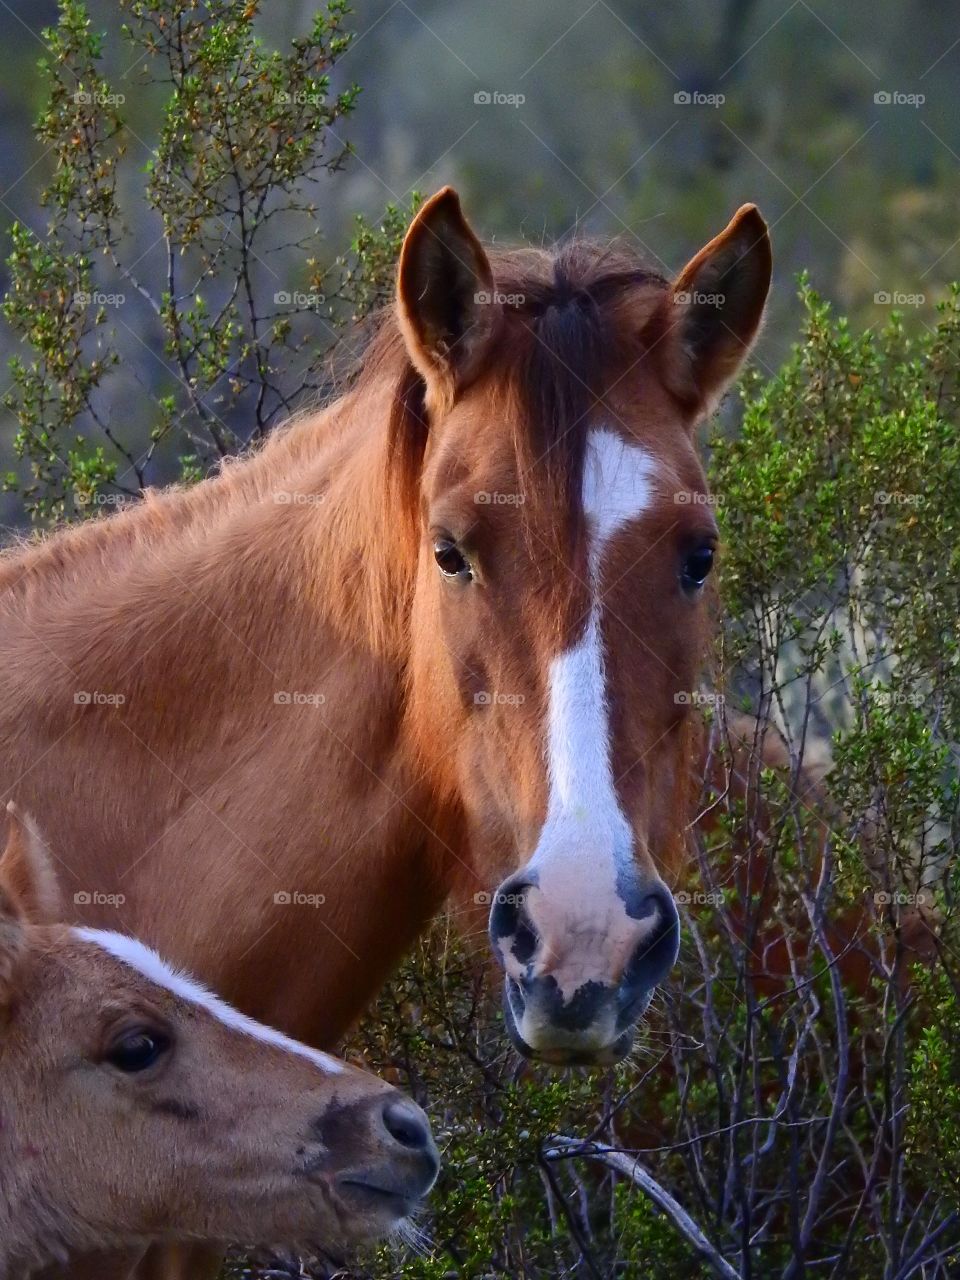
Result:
x=575 y=988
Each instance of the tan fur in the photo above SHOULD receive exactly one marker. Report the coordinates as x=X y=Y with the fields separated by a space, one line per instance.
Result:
x=229 y=1138
x=307 y=568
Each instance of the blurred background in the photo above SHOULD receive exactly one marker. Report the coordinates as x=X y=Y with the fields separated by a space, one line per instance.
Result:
x=839 y=576
x=619 y=118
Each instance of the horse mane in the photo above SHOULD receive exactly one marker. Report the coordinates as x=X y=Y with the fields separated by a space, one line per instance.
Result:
x=575 y=317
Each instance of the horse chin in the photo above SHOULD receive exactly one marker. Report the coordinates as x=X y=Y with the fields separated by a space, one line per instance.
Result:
x=380 y=1201
x=570 y=1054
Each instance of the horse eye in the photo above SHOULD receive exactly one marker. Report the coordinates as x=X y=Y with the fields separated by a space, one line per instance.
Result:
x=450 y=560
x=696 y=567
x=138 y=1050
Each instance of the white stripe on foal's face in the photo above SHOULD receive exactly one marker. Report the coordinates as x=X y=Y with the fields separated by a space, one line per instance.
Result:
x=153 y=967
x=586 y=838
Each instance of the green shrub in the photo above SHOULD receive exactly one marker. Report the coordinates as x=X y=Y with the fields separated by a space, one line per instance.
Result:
x=804 y=1124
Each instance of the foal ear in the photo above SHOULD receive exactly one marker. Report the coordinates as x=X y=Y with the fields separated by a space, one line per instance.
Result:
x=28 y=894
x=12 y=912
x=445 y=298
x=717 y=306
x=28 y=880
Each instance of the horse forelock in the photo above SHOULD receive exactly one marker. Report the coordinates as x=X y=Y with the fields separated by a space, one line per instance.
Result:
x=576 y=320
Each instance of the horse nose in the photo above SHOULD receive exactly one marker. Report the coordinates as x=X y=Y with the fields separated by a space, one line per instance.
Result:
x=518 y=941
x=407 y=1124
x=580 y=971
x=657 y=953
x=407 y=1141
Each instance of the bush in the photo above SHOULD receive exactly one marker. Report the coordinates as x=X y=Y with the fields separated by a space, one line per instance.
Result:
x=796 y=1092
x=192 y=291
x=793 y=1106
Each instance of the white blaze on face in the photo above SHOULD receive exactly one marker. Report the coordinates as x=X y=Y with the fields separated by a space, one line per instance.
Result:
x=154 y=968
x=579 y=915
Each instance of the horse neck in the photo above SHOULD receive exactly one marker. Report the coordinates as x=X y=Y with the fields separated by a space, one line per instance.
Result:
x=366 y=538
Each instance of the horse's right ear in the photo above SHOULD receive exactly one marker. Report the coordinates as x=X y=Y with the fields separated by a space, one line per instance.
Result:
x=446 y=303
x=28 y=893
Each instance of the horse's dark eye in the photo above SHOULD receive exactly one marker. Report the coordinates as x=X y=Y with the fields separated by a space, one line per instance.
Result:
x=138 y=1050
x=696 y=567
x=450 y=560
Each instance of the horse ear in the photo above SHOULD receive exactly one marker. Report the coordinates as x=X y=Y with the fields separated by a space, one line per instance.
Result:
x=12 y=918
x=27 y=875
x=28 y=894
x=716 y=308
x=445 y=298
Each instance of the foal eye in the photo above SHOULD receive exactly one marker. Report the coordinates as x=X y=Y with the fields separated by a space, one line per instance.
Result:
x=450 y=560
x=696 y=567
x=138 y=1050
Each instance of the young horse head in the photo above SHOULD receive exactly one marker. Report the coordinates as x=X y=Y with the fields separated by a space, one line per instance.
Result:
x=135 y=1106
x=544 y=443
x=440 y=638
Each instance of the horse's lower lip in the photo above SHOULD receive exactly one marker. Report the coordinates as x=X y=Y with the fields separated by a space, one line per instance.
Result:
x=569 y=1055
x=372 y=1193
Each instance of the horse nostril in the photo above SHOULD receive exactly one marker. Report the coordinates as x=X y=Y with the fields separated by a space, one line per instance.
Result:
x=407 y=1124
x=657 y=953
x=510 y=927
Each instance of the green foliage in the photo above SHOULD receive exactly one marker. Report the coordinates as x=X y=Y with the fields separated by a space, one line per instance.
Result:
x=934 y=1126
x=227 y=330
x=794 y=1056
x=797 y=1089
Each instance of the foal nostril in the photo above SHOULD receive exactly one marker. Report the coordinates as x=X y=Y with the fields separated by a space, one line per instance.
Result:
x=407 y=1124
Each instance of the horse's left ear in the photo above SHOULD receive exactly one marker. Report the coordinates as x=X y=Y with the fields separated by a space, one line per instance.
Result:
x=716 y=308
x=445 y=298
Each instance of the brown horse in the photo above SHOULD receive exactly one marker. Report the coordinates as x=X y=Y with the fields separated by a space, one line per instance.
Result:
x=136 y=1106
x=439 y=635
